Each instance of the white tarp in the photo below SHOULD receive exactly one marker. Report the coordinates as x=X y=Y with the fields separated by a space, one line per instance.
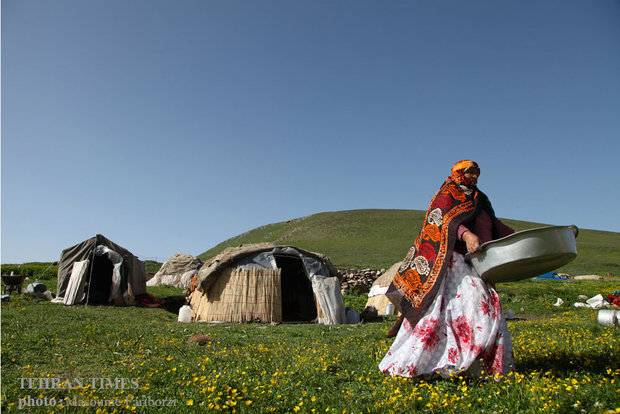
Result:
x=329 y=297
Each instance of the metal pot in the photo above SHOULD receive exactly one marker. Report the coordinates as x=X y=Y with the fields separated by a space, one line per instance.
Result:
x=525 y=254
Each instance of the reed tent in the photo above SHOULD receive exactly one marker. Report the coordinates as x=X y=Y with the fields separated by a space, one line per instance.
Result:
x=99 y=271
x=376 y=296
x=177 y=271
x=267 y=283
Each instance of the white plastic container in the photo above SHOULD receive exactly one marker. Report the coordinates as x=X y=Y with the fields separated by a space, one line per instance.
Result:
x=185 y=314
x=608 y=317
x=389 y=308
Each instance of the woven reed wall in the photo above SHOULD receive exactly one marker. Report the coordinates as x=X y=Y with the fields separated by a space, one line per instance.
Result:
x=240 y=296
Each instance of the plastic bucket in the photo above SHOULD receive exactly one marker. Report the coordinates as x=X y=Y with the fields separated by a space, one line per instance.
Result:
x=608 y=317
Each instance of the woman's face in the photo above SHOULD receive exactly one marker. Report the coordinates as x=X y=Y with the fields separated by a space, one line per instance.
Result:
x=472 y=175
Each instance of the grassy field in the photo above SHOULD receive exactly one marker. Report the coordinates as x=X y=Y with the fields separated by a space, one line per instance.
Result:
x=140 y=360
x=109 y=359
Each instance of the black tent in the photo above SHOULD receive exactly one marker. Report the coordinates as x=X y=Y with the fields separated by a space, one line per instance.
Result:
x=99 y=271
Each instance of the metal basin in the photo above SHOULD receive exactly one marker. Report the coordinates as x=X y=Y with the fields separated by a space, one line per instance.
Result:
x=525 y=254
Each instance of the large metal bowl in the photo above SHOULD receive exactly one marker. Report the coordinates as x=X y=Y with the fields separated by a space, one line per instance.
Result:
x=525 y=254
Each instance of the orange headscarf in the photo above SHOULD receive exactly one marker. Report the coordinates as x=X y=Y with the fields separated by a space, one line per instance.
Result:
x=459 y=169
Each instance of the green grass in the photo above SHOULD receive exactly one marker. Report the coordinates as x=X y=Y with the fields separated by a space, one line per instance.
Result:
x=566 y=362
x=532 y=297
x=380 y=238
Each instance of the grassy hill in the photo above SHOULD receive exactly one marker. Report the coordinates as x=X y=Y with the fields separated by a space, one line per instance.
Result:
x=374 y=239
x=379 y=238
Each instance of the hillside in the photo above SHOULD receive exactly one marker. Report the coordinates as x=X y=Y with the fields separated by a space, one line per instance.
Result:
x=379 y=238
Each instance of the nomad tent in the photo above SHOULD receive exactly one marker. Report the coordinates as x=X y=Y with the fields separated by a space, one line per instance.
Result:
x=376 y=296
x=268 y=283
x=98 y=271
x=177 y=271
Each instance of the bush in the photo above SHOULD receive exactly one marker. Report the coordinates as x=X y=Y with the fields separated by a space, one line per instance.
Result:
x=152 y=266
x=34 y=270
x=355 y=301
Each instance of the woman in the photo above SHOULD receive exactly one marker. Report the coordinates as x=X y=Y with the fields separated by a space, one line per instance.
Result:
x=452 y=321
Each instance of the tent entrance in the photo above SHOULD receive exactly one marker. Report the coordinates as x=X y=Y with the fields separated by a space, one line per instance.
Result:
x=297 y=296
x=100 y=280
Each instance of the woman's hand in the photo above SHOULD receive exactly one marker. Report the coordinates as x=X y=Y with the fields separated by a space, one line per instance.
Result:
x=471 y=241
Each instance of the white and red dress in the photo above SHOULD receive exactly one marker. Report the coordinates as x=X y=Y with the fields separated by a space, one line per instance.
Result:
x=463 y=330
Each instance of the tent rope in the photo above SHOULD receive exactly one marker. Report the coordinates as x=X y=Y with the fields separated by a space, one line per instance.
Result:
x=45 y=271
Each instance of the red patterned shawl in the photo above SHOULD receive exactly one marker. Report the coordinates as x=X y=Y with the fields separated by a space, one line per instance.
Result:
x=416 y=282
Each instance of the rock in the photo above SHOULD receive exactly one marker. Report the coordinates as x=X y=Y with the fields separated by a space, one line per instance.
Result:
x=588 y=277
x=359 y=280
x=199 y=339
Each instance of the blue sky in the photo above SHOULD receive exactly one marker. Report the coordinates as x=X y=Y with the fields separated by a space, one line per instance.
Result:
x=171 y=126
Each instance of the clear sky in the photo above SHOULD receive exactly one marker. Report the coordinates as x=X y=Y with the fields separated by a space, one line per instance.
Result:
x=172 y=125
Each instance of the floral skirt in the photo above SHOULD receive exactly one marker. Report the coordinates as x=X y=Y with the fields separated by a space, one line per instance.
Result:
x=463 y=331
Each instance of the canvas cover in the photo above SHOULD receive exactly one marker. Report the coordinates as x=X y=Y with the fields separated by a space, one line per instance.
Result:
x=309 y=283
x=177 y=271
x=126 y=273
x=261 y=255
x=376 y=296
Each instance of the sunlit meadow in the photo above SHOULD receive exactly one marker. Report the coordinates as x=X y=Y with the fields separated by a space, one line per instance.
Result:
x=140 y=360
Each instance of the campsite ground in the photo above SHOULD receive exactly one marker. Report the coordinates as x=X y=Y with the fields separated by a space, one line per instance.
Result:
x=140 y=359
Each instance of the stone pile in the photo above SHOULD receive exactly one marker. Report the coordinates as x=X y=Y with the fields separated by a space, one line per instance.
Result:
x=359 y=280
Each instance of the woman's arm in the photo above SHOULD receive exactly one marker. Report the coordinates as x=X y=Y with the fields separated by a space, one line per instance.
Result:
x=472 y=241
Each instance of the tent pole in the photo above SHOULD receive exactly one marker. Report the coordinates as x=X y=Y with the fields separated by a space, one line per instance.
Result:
x=90 y=274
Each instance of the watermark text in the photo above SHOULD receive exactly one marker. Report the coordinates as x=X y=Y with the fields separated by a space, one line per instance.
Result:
x=54 y=383
x=29 y=402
